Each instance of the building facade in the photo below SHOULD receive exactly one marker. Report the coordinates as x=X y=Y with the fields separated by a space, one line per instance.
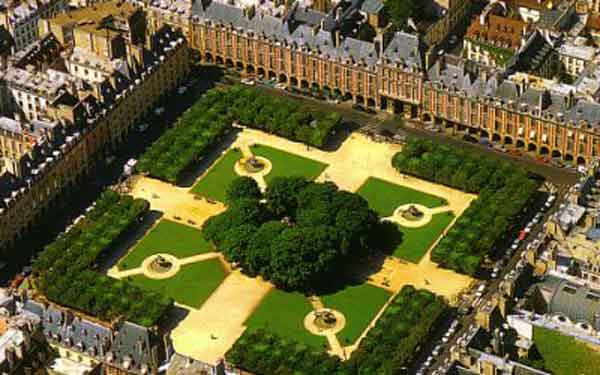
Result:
x=21 y=18
x=53 y=147
x=392 y=74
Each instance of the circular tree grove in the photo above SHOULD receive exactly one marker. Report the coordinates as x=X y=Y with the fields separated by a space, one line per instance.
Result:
x=299 y=234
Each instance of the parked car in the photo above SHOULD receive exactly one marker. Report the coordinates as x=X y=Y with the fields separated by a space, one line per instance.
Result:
x=248 y=81
x=140 y=128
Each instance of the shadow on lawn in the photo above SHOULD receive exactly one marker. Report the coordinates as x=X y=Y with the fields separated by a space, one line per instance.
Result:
x=388 y=237
x=189 y=176
x=174 y=317
x=336 y=140
x=127 y=240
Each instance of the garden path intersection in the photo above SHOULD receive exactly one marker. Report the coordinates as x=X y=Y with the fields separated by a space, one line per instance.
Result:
x=209 y=331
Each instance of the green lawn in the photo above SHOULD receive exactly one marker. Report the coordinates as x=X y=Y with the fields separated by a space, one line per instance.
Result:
x=385 y=197
x=191 y=286
x=564 y=355
x=167 y=237
x=214 y=183
x=359 y=304
x=287 y=165
x=283 y=314
x=416 y=241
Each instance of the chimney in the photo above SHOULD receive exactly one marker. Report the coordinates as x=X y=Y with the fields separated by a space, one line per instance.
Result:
x=337 y=37
x=249 y=12
x=11 y=357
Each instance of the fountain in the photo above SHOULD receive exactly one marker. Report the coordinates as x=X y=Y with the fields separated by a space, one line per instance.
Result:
x=412 y=213
x=160 y=264
x=253 y=165
x=325 y=319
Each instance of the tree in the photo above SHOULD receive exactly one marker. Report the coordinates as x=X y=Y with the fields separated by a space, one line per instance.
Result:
x=242 y=188
x=298 y=235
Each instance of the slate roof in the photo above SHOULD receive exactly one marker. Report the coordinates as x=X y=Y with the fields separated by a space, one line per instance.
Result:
x=404 y=47
x=577 y=302
x=126 y=346
x=280 y=30
x=456 y=77
x=372 y=6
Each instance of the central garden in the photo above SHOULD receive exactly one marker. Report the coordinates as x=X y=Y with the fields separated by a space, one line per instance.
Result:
x=308 y=239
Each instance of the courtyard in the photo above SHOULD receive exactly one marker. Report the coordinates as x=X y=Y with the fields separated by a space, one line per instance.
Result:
x=224 y=303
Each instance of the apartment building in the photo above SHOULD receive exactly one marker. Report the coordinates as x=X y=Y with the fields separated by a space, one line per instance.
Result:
x=88 y=95
x=20 y=18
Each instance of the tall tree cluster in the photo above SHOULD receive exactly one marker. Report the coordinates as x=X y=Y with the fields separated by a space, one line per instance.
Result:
x=209 y=120
x=64 y=270
x=297 y=235
x=503 y=191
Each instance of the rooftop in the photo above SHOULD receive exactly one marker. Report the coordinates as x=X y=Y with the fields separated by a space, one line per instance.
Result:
x=499 y=31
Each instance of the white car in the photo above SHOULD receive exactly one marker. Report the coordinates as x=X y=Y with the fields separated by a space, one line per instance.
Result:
x=281 y=86
x=181 y=90
x=248 y=81
x=141 y=127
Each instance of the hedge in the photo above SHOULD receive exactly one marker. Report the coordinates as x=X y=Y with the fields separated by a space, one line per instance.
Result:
x=282 y=116
x=210 y=119
x=504 y=191
x=200 y=127
x=64 y=269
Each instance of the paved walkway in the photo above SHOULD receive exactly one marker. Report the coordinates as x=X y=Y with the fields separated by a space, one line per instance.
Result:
x=175 y=203
x=208 y=333
x=117 y=274
x=335 y=348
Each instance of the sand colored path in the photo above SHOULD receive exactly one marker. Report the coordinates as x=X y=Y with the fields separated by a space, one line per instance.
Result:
x=208 y=333
x=114 y=271
x=176 y=203
x=395 y=273
x=335 y=348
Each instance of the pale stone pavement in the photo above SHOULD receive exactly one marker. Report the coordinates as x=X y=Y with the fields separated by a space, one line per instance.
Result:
x=176 y=203
x=206 y=334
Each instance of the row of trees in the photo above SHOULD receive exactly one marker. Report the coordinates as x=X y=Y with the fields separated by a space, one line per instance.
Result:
x=399 y=11
x=200 y=127
x=64 y=269
x=503 y=193
x=297 y=235
x=281 y=116
x=389 y=348
x=210 y=119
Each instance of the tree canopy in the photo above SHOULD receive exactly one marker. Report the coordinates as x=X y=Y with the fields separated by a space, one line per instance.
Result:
x=399 y=11
x=209 y=120
x=64 y=269
x=298 y=235
x=503 y=193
